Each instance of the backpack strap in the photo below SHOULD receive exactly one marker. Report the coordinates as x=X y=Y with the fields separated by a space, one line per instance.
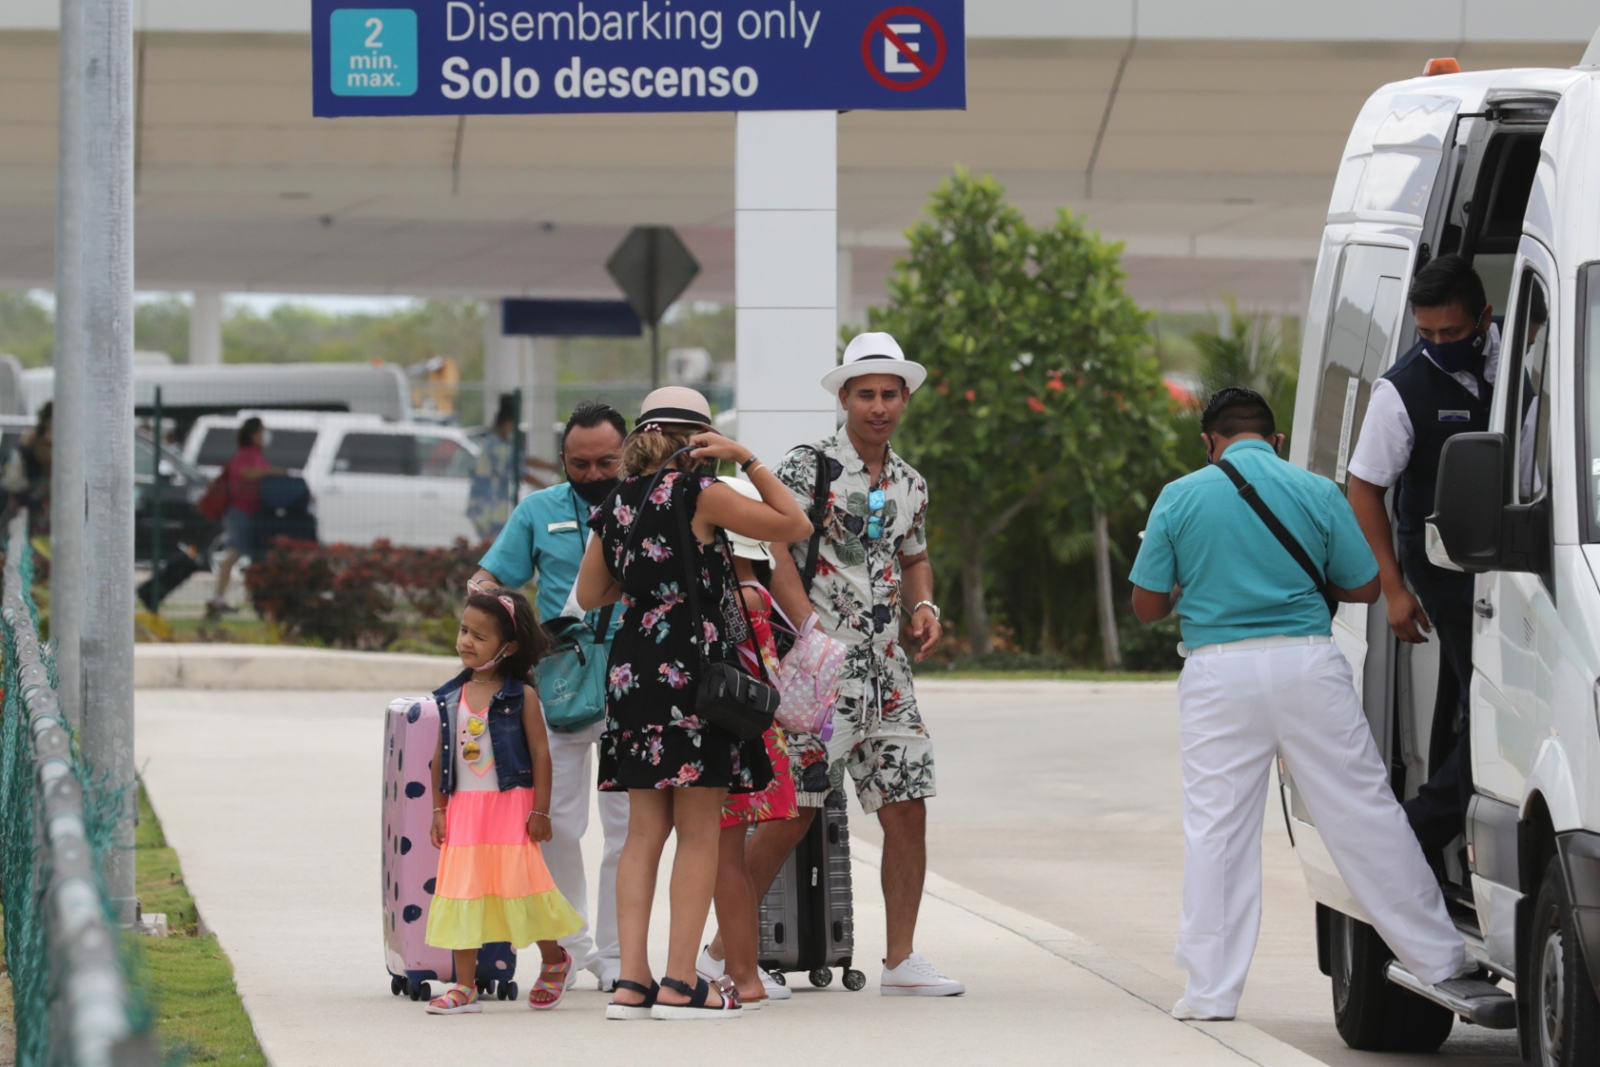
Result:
x=1281 y=532
x=818 y=516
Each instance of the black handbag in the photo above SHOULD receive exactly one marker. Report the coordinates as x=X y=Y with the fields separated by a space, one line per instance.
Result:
x=728 y=697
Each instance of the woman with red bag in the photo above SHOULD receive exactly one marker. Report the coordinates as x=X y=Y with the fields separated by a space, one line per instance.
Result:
x=242 y=475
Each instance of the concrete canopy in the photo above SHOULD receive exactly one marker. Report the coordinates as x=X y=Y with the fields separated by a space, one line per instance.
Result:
x=1204 y=133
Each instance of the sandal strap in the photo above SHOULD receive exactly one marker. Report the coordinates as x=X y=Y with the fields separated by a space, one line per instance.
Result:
x=649 y=994
x=697 y=995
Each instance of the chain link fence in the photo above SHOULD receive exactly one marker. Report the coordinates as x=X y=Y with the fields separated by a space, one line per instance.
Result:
x=74 y=1004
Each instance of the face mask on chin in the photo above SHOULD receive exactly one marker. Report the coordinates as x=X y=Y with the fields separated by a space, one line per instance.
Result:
x=1456 y=356
x=594 y=493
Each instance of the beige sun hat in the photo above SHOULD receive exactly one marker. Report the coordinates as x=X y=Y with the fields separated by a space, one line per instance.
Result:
x=874 y=353
x=675 y=403
x=747 y=547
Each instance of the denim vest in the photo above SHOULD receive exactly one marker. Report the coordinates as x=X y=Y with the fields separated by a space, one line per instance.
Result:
x=513 y=767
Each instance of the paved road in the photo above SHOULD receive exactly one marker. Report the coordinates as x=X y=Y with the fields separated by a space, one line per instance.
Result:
x=271 y=800
x=1062 y=800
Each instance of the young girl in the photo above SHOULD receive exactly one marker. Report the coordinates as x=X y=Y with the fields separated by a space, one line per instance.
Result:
x=738 y=907
x=491 y=777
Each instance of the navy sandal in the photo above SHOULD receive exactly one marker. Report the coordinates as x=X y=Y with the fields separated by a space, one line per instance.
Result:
x=633 y=1011
x=697 y=1008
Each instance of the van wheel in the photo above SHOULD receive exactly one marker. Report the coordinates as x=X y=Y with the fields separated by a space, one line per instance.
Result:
x=1565 y=1014
x=1370 y=1012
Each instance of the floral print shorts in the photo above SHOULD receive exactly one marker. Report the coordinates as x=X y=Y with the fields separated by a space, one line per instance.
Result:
x=889 y=755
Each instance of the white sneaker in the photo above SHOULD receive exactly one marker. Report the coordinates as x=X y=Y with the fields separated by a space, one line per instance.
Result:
x=775 y=989
x=708 y=968
x=916 y=977
x=1184 y=1012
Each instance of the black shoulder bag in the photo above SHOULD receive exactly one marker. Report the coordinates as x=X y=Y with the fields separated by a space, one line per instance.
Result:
x=1281 y=532
x=727 y=697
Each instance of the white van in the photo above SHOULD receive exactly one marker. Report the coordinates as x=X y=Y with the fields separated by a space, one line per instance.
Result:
x=370 y=479
x=1504 y=168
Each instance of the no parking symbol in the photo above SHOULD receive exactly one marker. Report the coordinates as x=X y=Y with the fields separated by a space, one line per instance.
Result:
x=903 y=48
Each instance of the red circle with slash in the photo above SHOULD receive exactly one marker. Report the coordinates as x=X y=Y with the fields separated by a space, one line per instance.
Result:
x=880 y=25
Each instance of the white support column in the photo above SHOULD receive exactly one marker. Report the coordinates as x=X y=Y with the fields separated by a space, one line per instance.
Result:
x=502 y=362
x=847 y=282
x=205 y=328
x=786 y=236
x=539 y=399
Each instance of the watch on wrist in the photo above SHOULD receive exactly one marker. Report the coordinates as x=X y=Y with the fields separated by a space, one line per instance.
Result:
x=931 y=606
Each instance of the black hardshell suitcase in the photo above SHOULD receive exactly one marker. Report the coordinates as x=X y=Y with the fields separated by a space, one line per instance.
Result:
x=808 y=916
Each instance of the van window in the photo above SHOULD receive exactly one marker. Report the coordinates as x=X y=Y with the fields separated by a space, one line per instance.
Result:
x=1361 y=342
x=443 y=457
x=1524 y=368
x=376 y=453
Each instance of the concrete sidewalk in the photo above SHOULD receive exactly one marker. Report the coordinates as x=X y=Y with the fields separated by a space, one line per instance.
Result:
x=272 y=801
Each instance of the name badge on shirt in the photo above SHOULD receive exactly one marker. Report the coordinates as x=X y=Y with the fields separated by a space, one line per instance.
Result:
x=555 y=527
x=1455 y=416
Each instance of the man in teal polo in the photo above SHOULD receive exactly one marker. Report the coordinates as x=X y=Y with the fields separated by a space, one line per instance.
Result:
x=545 y=538
x=1263 y=678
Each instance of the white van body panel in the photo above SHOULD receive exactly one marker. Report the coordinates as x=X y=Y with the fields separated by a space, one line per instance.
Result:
x=1536 y=737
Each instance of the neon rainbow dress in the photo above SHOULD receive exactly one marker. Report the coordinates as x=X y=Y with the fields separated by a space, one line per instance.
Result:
x=493 y=884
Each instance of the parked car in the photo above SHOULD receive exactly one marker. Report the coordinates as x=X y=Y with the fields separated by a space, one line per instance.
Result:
x=1501 y=167
x=181 y=487
x=369 y=479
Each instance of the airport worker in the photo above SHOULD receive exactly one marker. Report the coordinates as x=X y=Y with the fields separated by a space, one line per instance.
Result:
x=1441 y=387
x=1263 y=677
x=545 y=538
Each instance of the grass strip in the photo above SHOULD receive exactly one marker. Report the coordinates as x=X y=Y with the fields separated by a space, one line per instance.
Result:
x=198 y=1011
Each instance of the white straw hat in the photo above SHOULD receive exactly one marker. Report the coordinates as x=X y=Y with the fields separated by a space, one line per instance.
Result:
x=675 y=403
x=747 y=547
x=874 y=353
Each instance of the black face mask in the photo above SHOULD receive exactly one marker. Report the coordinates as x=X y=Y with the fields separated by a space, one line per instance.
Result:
x=594 y=493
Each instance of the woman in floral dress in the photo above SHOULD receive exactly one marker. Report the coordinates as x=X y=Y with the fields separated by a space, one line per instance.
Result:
x=677 y=769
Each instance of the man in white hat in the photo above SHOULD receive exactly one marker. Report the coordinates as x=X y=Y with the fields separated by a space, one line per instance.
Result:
x=871 y=564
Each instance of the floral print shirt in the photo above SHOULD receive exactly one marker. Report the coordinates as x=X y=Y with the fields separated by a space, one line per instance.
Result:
x=856 y=593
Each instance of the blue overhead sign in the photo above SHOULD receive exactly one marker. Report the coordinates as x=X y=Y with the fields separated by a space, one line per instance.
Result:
x=523 y=57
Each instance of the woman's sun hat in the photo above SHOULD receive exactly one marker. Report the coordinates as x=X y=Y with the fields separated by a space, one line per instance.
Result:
x=874 y=353
x=747 y=547
x=675 y=403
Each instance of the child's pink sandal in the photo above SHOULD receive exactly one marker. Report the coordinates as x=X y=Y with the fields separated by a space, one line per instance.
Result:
x=552 y=983
x=459 y=1000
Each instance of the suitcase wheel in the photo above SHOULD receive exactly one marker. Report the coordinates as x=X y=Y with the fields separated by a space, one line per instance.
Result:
x=821 y=977
x=854 y=981
x=420 y=991
x=397 y=985
x=510 y=990
x=777 y=976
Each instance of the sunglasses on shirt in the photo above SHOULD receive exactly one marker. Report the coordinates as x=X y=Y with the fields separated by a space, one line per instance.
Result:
x=875 y=501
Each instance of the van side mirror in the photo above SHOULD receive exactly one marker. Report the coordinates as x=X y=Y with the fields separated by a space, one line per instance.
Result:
x=1477 y=527
x=1468 y=498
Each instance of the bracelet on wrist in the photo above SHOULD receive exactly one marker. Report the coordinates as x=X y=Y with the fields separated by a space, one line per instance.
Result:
x=751 y=462
x=541 y=814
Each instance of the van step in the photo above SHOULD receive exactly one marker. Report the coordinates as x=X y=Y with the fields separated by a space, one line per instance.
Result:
x=1474 y=1000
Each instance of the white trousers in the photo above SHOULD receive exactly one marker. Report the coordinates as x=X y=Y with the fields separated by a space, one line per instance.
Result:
x=594 y=947
x=1239 y=709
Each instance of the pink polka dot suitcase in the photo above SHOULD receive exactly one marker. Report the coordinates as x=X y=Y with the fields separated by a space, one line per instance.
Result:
x=411 y=863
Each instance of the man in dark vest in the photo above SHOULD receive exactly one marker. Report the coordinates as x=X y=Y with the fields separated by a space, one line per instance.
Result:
x=1440 y=388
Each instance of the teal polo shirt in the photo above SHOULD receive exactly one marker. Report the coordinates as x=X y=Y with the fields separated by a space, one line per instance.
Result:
x=1238 y=581
x=544 y=538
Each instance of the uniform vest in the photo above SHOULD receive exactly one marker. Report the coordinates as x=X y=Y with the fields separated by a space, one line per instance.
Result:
x=1439 y=407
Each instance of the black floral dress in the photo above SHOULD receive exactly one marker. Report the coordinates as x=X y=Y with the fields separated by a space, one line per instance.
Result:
x=653 y=740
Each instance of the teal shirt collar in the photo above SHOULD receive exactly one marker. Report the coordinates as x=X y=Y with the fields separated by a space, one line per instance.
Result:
x=1252 y=443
